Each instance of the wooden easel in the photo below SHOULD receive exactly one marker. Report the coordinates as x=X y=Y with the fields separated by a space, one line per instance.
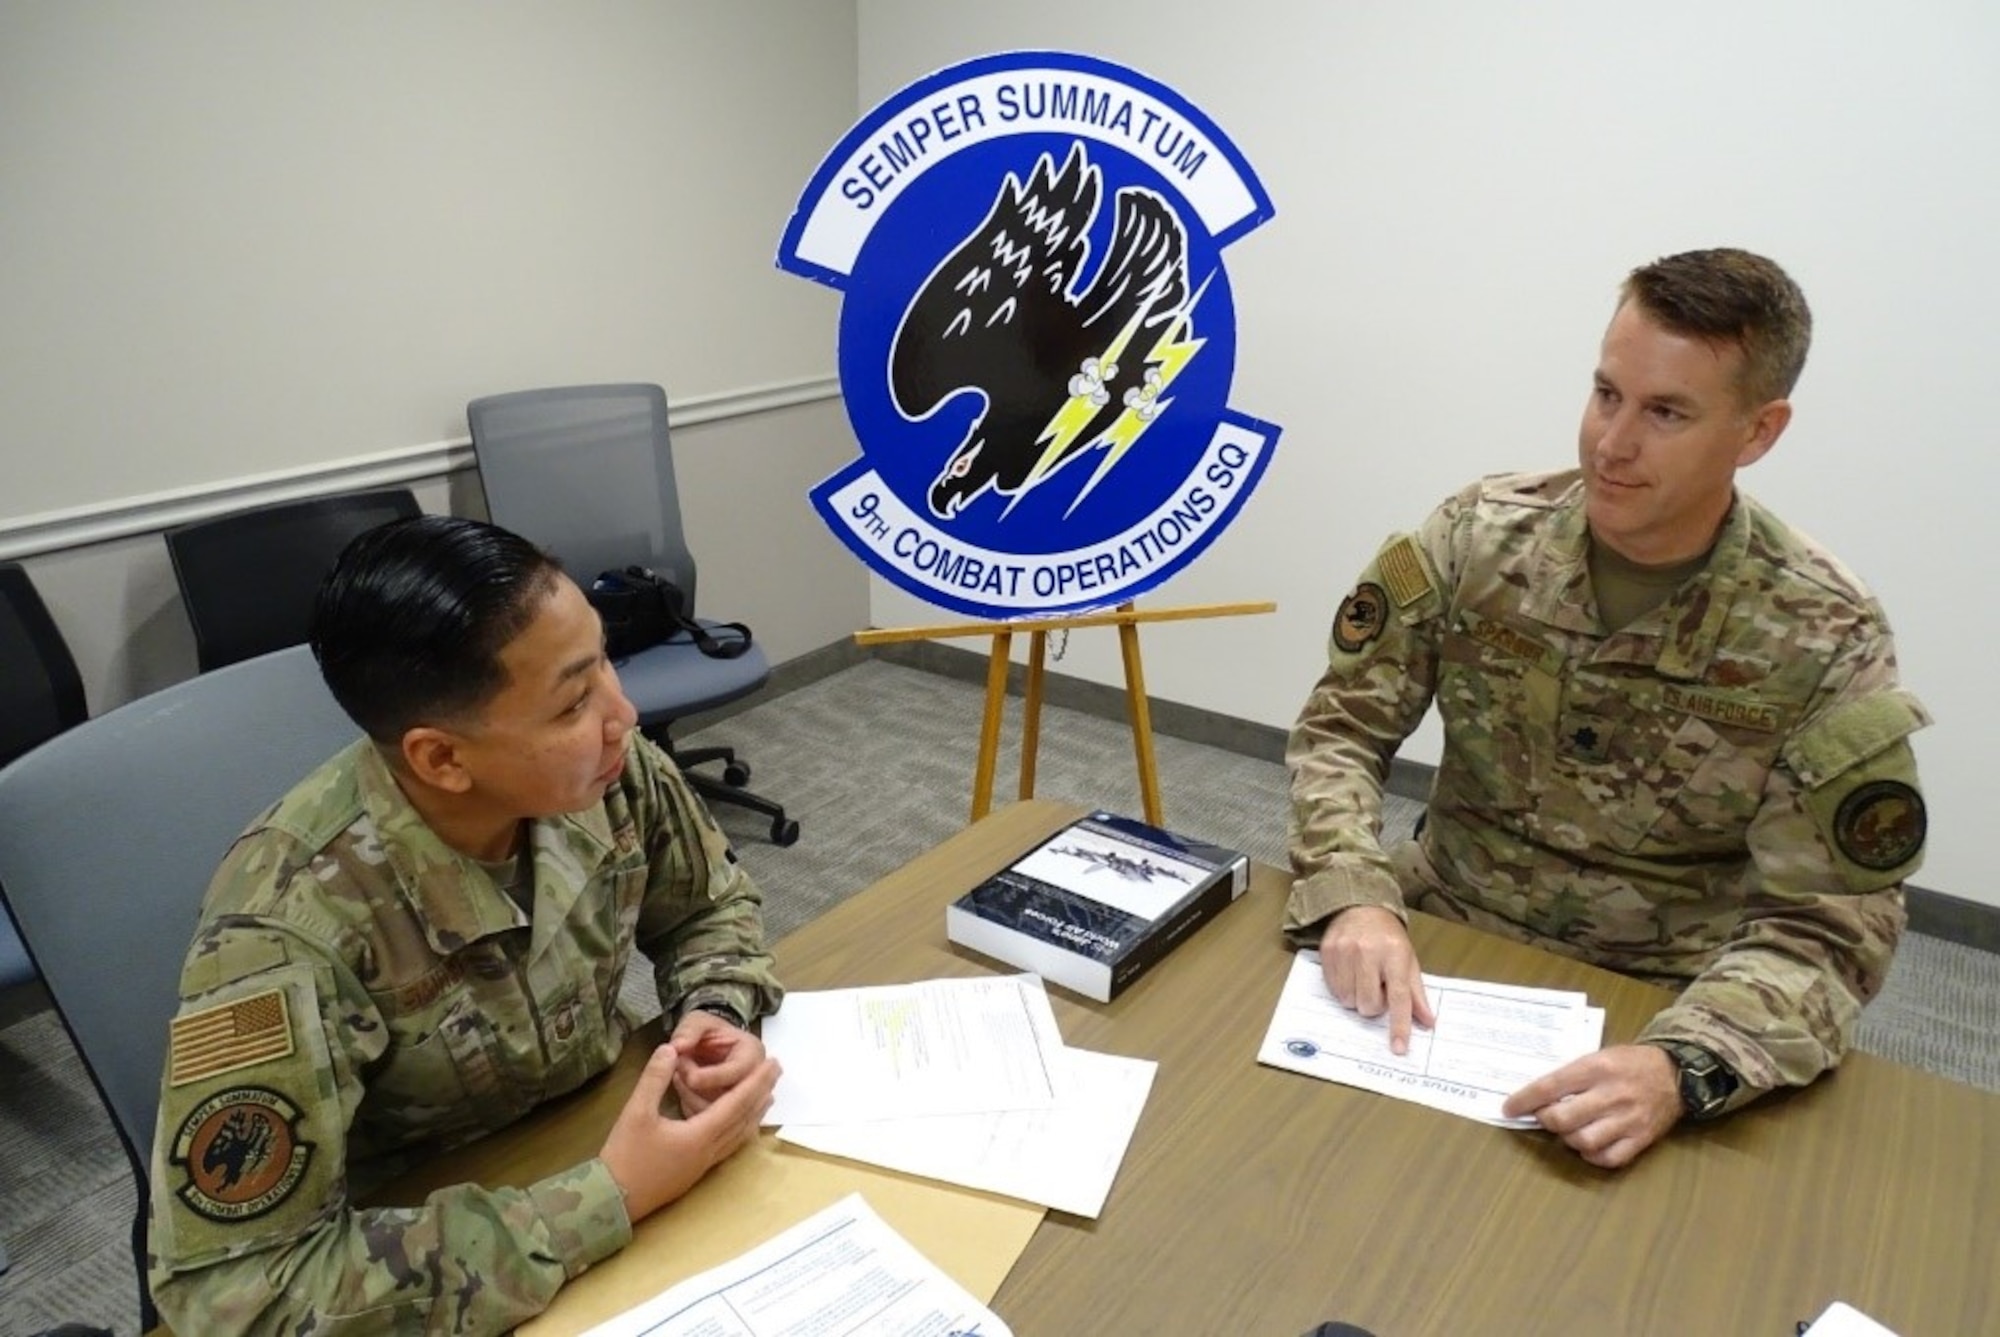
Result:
x=1126 y=618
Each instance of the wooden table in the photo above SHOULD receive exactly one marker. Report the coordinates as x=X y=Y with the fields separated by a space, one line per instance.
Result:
x=1255 y=1201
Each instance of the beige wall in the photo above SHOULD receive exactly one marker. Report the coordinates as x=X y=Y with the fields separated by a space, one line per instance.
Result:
x=1459 y=188
x=117 y=608
x=250 y=250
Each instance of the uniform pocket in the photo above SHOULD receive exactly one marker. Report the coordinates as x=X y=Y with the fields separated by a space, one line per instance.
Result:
x=1694 y=795
x=1499 y=709
x=439 y=1079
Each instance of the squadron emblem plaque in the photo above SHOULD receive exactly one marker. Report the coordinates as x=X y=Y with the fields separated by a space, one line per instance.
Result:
x=1037 y=333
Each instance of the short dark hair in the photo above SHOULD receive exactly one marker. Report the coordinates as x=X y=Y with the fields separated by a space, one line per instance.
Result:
x=1727 y=296
x=409 y=625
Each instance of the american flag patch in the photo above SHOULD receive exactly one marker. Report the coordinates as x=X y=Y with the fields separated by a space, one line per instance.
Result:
x=1404 y=572
x=229 y=1036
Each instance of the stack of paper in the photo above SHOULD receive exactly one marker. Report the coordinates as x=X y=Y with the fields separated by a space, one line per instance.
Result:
x=966 y=1081
x=841 y=1270
x=1844 y=1320
x=1490 y=1040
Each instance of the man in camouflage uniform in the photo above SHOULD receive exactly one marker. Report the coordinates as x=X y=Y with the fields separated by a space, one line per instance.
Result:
x=1674 y=743
x=423 y=941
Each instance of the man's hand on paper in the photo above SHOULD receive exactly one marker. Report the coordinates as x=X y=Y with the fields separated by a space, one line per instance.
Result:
x=655 y=1159
x=713 y=1057
x=1371 y=967
x=1608 y=1106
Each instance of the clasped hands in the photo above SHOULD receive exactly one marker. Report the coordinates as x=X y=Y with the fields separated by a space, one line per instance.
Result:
x=1608 y=1106
x=724 y=1082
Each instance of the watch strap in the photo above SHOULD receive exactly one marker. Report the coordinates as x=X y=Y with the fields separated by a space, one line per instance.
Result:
x=1705 y=1082
x=715 y=1007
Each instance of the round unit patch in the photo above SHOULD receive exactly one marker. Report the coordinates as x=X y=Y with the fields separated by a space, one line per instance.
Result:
x=241 y=1152
x=1037 y=333
x=1881 y=825
x=1361 y=617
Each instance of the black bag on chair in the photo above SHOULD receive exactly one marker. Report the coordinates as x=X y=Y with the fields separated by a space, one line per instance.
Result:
x=642 y=608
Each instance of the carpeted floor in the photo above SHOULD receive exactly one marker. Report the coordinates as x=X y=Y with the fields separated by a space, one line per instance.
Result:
x=875 y=763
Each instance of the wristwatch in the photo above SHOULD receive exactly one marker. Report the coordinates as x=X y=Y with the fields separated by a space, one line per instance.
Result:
x=1706 y=1083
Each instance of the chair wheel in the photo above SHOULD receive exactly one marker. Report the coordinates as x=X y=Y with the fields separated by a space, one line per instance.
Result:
x=736 y=773
x=784 y=832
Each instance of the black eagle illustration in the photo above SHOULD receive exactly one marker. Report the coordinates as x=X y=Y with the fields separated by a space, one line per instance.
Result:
x=999 y=317
x=241 y=1147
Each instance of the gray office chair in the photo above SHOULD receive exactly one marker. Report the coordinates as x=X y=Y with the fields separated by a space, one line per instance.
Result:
x=109 y=833
x=587 y=472
x=249 y=578
x=41 y=694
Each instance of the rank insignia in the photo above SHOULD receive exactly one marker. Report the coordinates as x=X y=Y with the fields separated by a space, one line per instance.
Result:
x=1881 y=825
x=1586 y=738
x=241 y=1153
x=1361 y=617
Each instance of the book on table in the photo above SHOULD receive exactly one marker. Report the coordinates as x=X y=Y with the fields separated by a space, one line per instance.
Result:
x=1094 y=906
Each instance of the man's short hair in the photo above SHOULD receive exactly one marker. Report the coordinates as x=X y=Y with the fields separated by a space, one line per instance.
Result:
x=409 y=625
x=1727 y=296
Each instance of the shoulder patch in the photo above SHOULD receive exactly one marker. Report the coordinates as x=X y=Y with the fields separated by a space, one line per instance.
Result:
x=1403 y=569
x=1881 y=825
x=239 y=1154
x=229 y=1036
x=1361 y=617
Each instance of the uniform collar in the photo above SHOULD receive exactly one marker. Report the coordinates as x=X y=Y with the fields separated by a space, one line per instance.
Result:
x=1679 y=637
x=452 y=897
x=1559 y=588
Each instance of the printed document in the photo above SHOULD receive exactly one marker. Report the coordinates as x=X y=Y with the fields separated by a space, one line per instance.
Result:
x=842 y=1270
x=1063 y=1157
x=1844 y=1320
x=958 y=1046
x=1490 y=1040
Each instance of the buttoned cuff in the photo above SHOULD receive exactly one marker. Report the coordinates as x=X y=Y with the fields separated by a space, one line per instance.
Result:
x=583 y=1210
x=1341 y=886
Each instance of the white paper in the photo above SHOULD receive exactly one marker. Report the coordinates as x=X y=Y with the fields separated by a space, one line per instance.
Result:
x=1490 y=1040
x=961 y=1046
x=1844 y=1320
x=840 y=1271
x=1064 y=1157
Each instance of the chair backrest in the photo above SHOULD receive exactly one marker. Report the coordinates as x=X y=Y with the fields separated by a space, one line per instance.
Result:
x=587 y=472
x=249 y=578
x=41 y=693
x=110 y=832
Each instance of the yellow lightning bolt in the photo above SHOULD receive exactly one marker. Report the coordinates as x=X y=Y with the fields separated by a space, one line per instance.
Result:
x=1075 y=415
x=1172 y=353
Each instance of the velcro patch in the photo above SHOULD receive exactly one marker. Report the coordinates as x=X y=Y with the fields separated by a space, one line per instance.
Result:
x=1361 y=617
x=1503 y=639
x=1881 y=825
x=229 y=1036
x=240 y=1154
x=1403 y=570
x=1852 y=733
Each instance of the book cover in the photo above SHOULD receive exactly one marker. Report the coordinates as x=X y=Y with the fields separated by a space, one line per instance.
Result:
x=1095 y=905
